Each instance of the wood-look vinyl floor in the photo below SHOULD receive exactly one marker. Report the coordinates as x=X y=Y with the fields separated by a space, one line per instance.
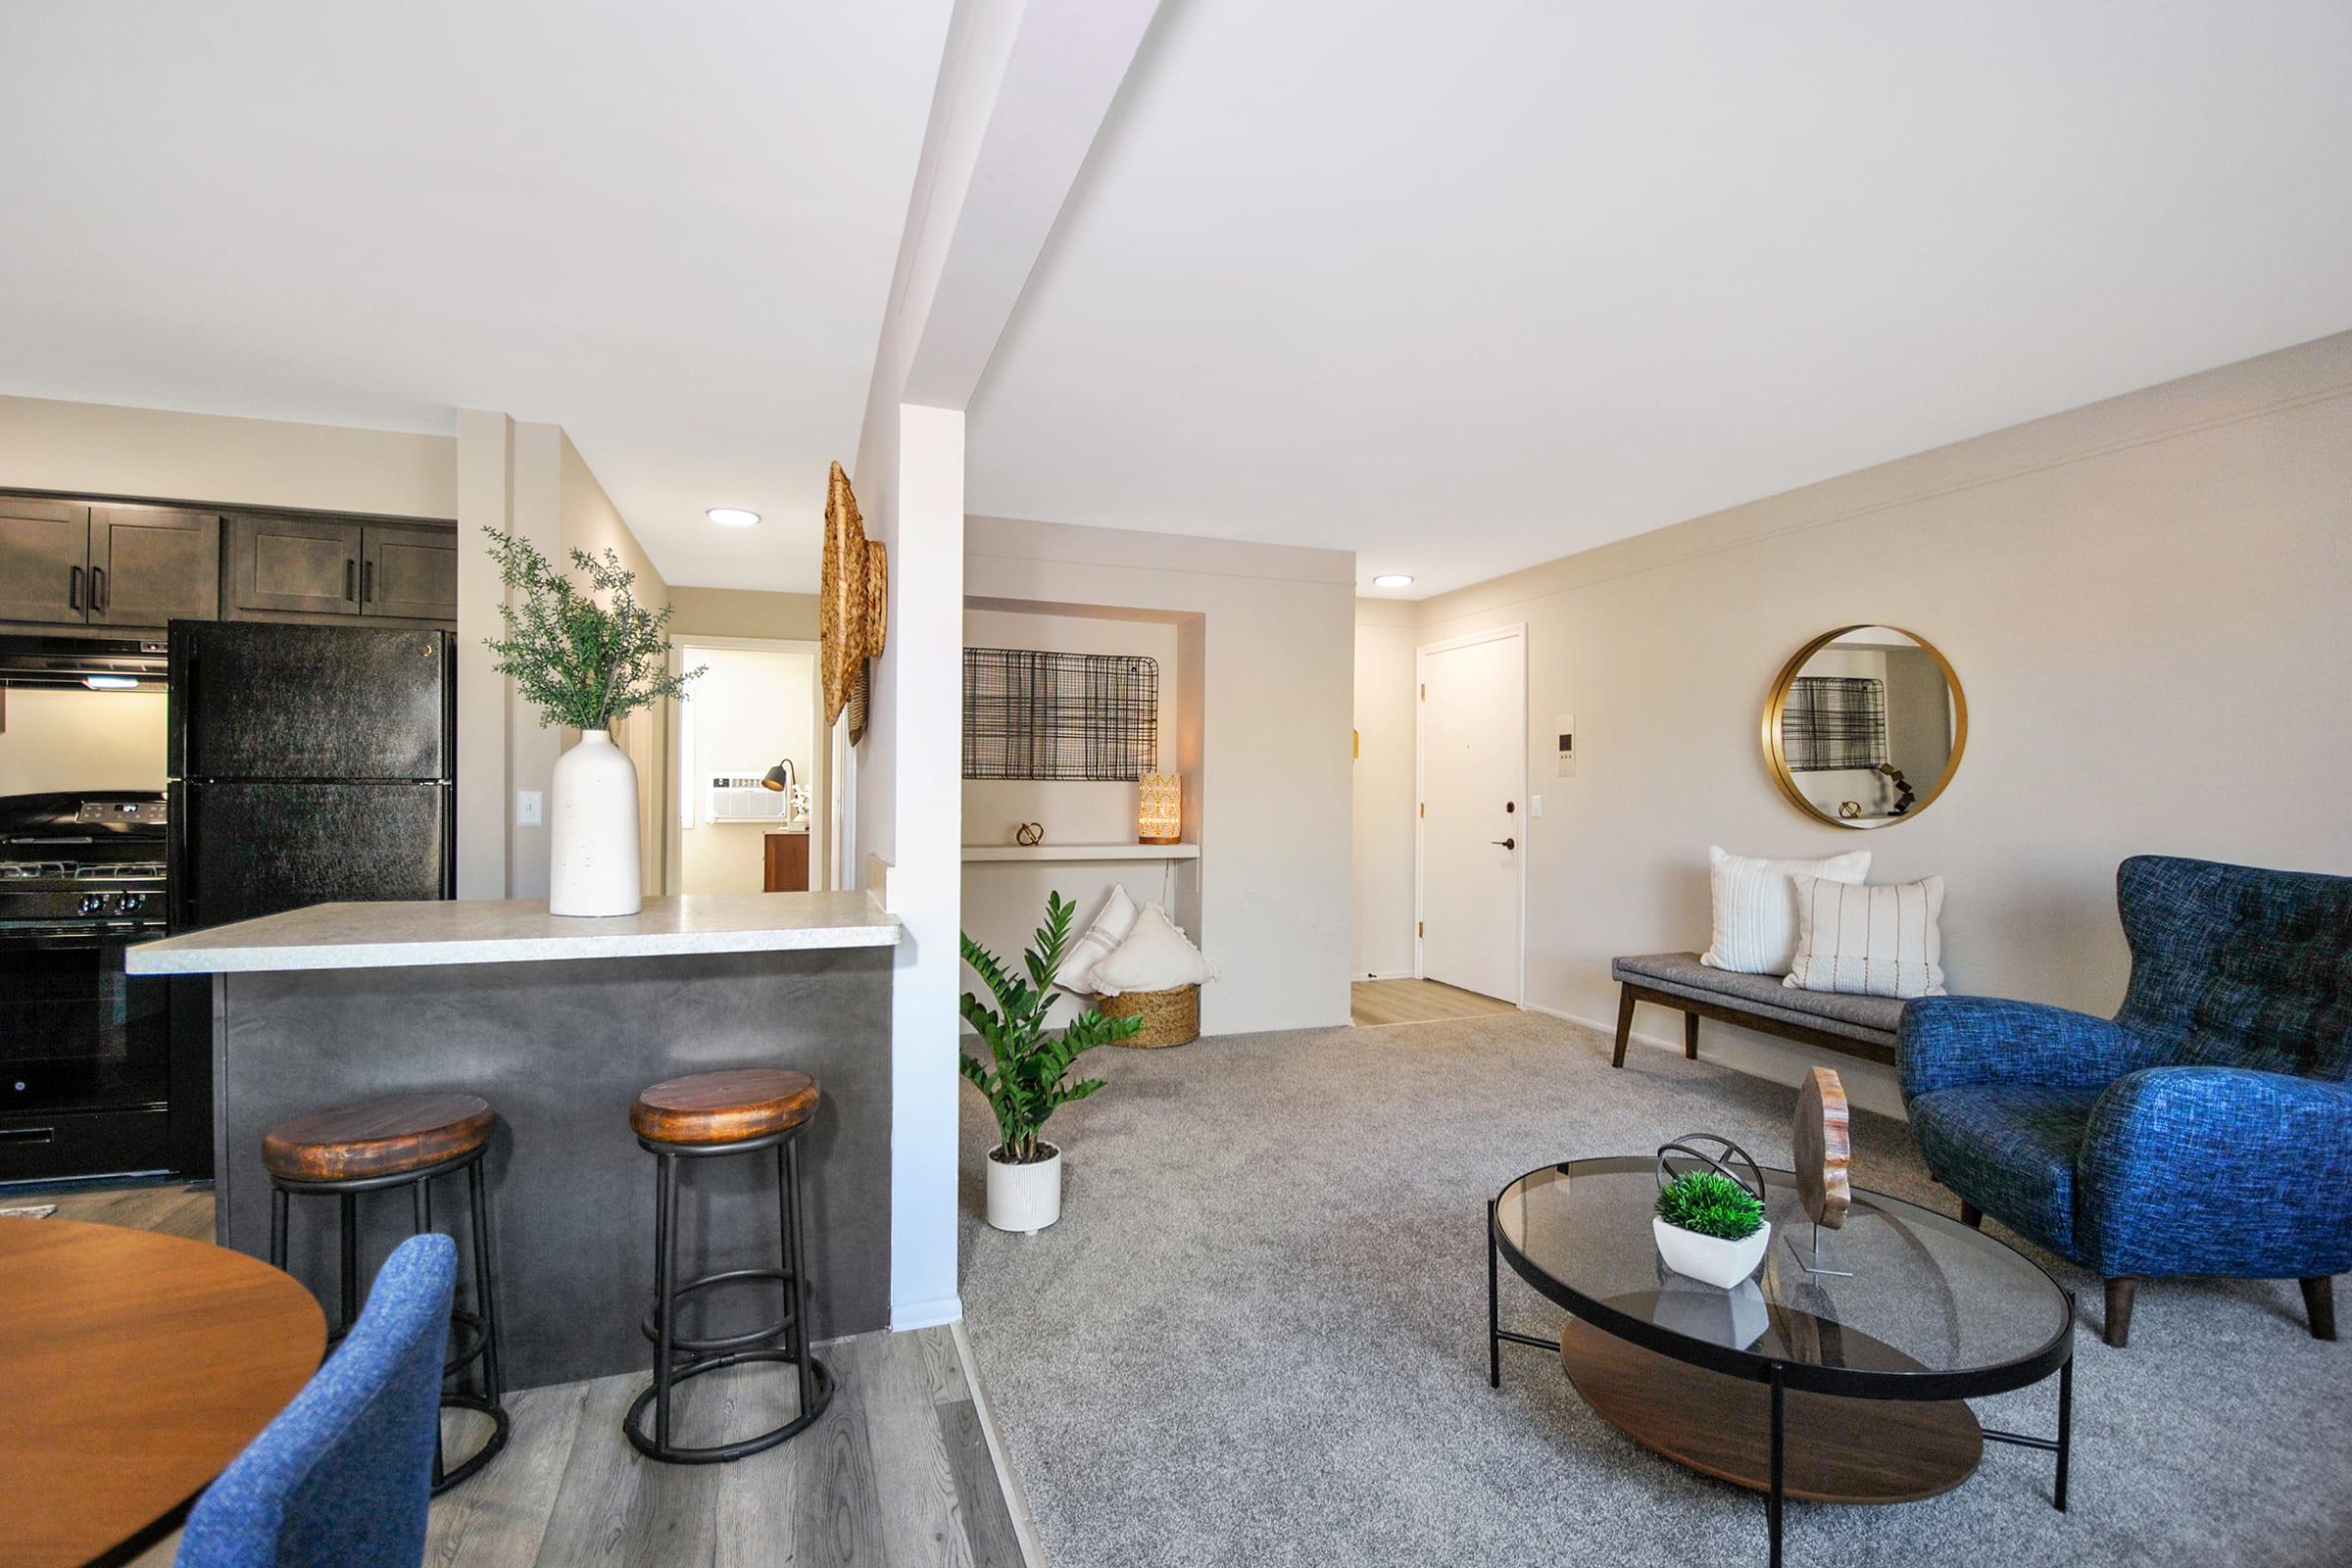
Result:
x=897 y=1474
x=1375 y=1003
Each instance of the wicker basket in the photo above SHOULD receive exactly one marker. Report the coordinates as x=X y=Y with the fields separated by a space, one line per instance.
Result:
x=1170 y=1017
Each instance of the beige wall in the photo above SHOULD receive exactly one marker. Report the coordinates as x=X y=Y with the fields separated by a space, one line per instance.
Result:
x=1265 y=636
x=744 y=612
x=70 y=738
x=99 y=449
x=1384 y=641
x=2145 y=602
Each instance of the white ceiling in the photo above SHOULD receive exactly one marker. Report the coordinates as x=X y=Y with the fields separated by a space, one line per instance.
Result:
x=1472 y=286
x=669 y=228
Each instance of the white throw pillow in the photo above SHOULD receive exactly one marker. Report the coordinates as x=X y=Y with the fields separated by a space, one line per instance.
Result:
x=1755 y=907
x=1110 y=929
x=1156 y=957
x=1869 y=942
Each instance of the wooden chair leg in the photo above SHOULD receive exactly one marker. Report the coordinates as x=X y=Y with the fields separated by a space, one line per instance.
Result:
x=1625 y=1024
x=2319 y=1304
x=2119 y=1309
x=1971 y=1215
x=1690 y=1035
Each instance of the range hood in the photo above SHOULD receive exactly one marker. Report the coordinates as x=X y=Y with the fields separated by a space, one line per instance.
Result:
x=102 y=664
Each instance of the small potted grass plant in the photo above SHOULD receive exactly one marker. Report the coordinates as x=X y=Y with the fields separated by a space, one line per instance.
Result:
x=1024 y=1070
x=1711 y=1227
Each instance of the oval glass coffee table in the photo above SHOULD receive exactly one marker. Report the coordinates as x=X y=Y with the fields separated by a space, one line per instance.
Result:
x=1797 y=1381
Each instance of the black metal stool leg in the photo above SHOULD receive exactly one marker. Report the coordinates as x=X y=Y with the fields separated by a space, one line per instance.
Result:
x=665 y=1282
x=798 y=1340
x=278 y=1226
x=350 y=1226
x=494 y=1379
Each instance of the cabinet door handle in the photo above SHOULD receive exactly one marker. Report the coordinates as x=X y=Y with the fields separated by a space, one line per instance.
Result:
x=367 y=582
x=74 y=588
x=351 y=580
x=97 y=590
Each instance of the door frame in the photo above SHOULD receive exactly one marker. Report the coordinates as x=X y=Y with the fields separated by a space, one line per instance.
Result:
x=1516 y=632
x=822 y=831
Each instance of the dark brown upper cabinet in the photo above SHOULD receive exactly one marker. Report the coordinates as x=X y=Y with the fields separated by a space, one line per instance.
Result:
x=298 y=563
x=408 y=573
x=44 y=561
x=149 y=566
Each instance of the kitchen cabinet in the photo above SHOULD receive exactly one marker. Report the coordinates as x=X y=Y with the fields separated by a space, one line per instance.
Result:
x=44 y=561
x=149 y=566
x=408 y=573
x=787 y=867
x=327 y=566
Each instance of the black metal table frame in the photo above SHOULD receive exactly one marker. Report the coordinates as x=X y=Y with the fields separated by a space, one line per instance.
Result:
x=2058 y=1356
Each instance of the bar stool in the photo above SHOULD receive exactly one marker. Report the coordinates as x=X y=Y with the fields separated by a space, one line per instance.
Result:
x=712 y=1113
x=398 y=1141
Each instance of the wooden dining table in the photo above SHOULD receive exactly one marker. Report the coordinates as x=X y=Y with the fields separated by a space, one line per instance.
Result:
x=136 y=1366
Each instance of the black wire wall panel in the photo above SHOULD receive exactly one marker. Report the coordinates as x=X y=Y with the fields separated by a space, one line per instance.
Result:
x=1834 y=721
x=1037 y=715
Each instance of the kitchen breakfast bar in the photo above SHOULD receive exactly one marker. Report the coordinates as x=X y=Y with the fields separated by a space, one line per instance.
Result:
x=559 y=1023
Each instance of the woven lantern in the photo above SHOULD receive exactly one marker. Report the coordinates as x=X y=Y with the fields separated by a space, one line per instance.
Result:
x=1160 y=808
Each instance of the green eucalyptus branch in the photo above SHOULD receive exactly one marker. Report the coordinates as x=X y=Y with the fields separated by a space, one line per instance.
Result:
x=580 y=663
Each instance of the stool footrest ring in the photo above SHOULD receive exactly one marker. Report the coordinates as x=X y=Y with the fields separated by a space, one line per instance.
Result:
x=501 y=1427
x=821 y=1382
x=650 y=1325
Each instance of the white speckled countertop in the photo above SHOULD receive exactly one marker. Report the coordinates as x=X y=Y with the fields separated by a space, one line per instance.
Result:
x=392 y=935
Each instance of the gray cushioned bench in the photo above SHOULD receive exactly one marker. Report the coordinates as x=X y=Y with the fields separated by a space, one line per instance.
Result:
x=1859 y=1026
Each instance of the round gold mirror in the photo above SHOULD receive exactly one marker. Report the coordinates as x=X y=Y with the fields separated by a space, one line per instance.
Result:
x=1865 y=726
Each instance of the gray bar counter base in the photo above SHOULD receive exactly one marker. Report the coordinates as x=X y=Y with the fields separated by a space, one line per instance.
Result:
x=561 y=1049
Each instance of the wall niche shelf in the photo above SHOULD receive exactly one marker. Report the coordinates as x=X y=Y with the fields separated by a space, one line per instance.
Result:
x=1082 y=852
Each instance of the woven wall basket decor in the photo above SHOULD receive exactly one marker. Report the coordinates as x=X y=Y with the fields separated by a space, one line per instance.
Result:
x=853 y=604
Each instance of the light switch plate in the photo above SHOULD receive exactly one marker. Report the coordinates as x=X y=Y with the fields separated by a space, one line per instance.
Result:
x=526 y=808
x=1535 y=806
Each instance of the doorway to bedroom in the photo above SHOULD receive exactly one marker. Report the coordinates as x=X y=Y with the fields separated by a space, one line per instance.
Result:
x=749 y=772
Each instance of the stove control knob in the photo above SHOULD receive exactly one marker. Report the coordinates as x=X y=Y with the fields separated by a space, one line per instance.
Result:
x=127 y=903
x=93 y=904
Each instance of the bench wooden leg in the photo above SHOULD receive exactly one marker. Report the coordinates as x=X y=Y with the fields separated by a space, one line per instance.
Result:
x=1625 y=1024
x=2120 y=1291
x=1971 y=1215
x=2318 y=1302
x=1690 y=1035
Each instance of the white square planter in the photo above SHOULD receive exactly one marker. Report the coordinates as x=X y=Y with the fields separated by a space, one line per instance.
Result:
x=1711 y=1259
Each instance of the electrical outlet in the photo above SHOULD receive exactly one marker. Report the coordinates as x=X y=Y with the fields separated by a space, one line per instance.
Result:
x=526 y=808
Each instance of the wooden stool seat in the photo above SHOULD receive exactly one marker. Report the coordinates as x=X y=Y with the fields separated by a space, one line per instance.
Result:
x=377 y=1138
x=724 y=1108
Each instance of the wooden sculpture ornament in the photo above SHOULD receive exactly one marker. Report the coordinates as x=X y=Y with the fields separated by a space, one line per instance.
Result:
x=1821 y=1146
x=853 y=617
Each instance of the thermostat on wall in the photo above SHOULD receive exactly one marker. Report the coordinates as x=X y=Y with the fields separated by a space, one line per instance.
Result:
x=1567 y=734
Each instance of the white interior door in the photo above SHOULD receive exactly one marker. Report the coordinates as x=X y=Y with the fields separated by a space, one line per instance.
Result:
x=1473 y=766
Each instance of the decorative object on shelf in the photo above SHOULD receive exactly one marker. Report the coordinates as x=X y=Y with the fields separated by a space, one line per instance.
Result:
x=1820 y=1148
x=1708 y=1223
x=584 y=663
x=1160 y=808
x=1023 y=1075
x=1856 y=711
x=1029 y=714
x=1029 y=835
x=852 y=609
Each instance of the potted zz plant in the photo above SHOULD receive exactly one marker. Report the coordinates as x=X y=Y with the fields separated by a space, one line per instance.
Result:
x=584 y=663
x=1710 y=1227
x=1023 y=1073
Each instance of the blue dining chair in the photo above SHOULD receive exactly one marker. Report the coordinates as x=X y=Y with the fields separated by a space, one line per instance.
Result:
x=343 y=1476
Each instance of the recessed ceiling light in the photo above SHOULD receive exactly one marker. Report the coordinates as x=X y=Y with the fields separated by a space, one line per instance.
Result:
x=732 y=516
x=1394 y=579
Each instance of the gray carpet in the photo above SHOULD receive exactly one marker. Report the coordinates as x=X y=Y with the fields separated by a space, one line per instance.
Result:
x=1259 y=1336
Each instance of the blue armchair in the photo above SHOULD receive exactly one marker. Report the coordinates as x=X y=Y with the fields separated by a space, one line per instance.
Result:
x=344 y=1475
x=2205 y=1129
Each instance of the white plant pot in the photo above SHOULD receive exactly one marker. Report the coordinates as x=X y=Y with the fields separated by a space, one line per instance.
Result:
x=592 y=859
x=1024 y=1197
x=1710 y=1260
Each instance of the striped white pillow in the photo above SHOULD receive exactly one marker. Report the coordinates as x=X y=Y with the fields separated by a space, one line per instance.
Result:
x=1869 y=942
x=1755 y=907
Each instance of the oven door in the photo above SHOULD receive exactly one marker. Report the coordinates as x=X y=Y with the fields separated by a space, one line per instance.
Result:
x=78 y=1034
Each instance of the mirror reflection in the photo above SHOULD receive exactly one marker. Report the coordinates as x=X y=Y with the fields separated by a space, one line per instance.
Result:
x=1865 y=726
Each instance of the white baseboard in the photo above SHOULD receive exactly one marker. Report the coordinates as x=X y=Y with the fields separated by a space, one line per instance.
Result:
x=1389 y=975
x=904 y=1315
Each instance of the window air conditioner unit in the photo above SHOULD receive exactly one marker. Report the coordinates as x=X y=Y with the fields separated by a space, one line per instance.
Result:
x=742 y=798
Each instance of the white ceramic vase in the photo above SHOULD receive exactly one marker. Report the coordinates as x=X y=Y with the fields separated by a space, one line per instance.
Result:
x=592 y=859
x=1711 y=1259
x=1024 y=1197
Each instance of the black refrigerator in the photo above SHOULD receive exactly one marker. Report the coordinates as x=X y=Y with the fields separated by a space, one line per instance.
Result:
x=309 y=764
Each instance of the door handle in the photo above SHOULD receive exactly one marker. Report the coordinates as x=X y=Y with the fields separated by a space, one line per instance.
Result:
x=97 y=590
x=351 y=580
x=1507 y=844
x=74 y=588
x=367 y=582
